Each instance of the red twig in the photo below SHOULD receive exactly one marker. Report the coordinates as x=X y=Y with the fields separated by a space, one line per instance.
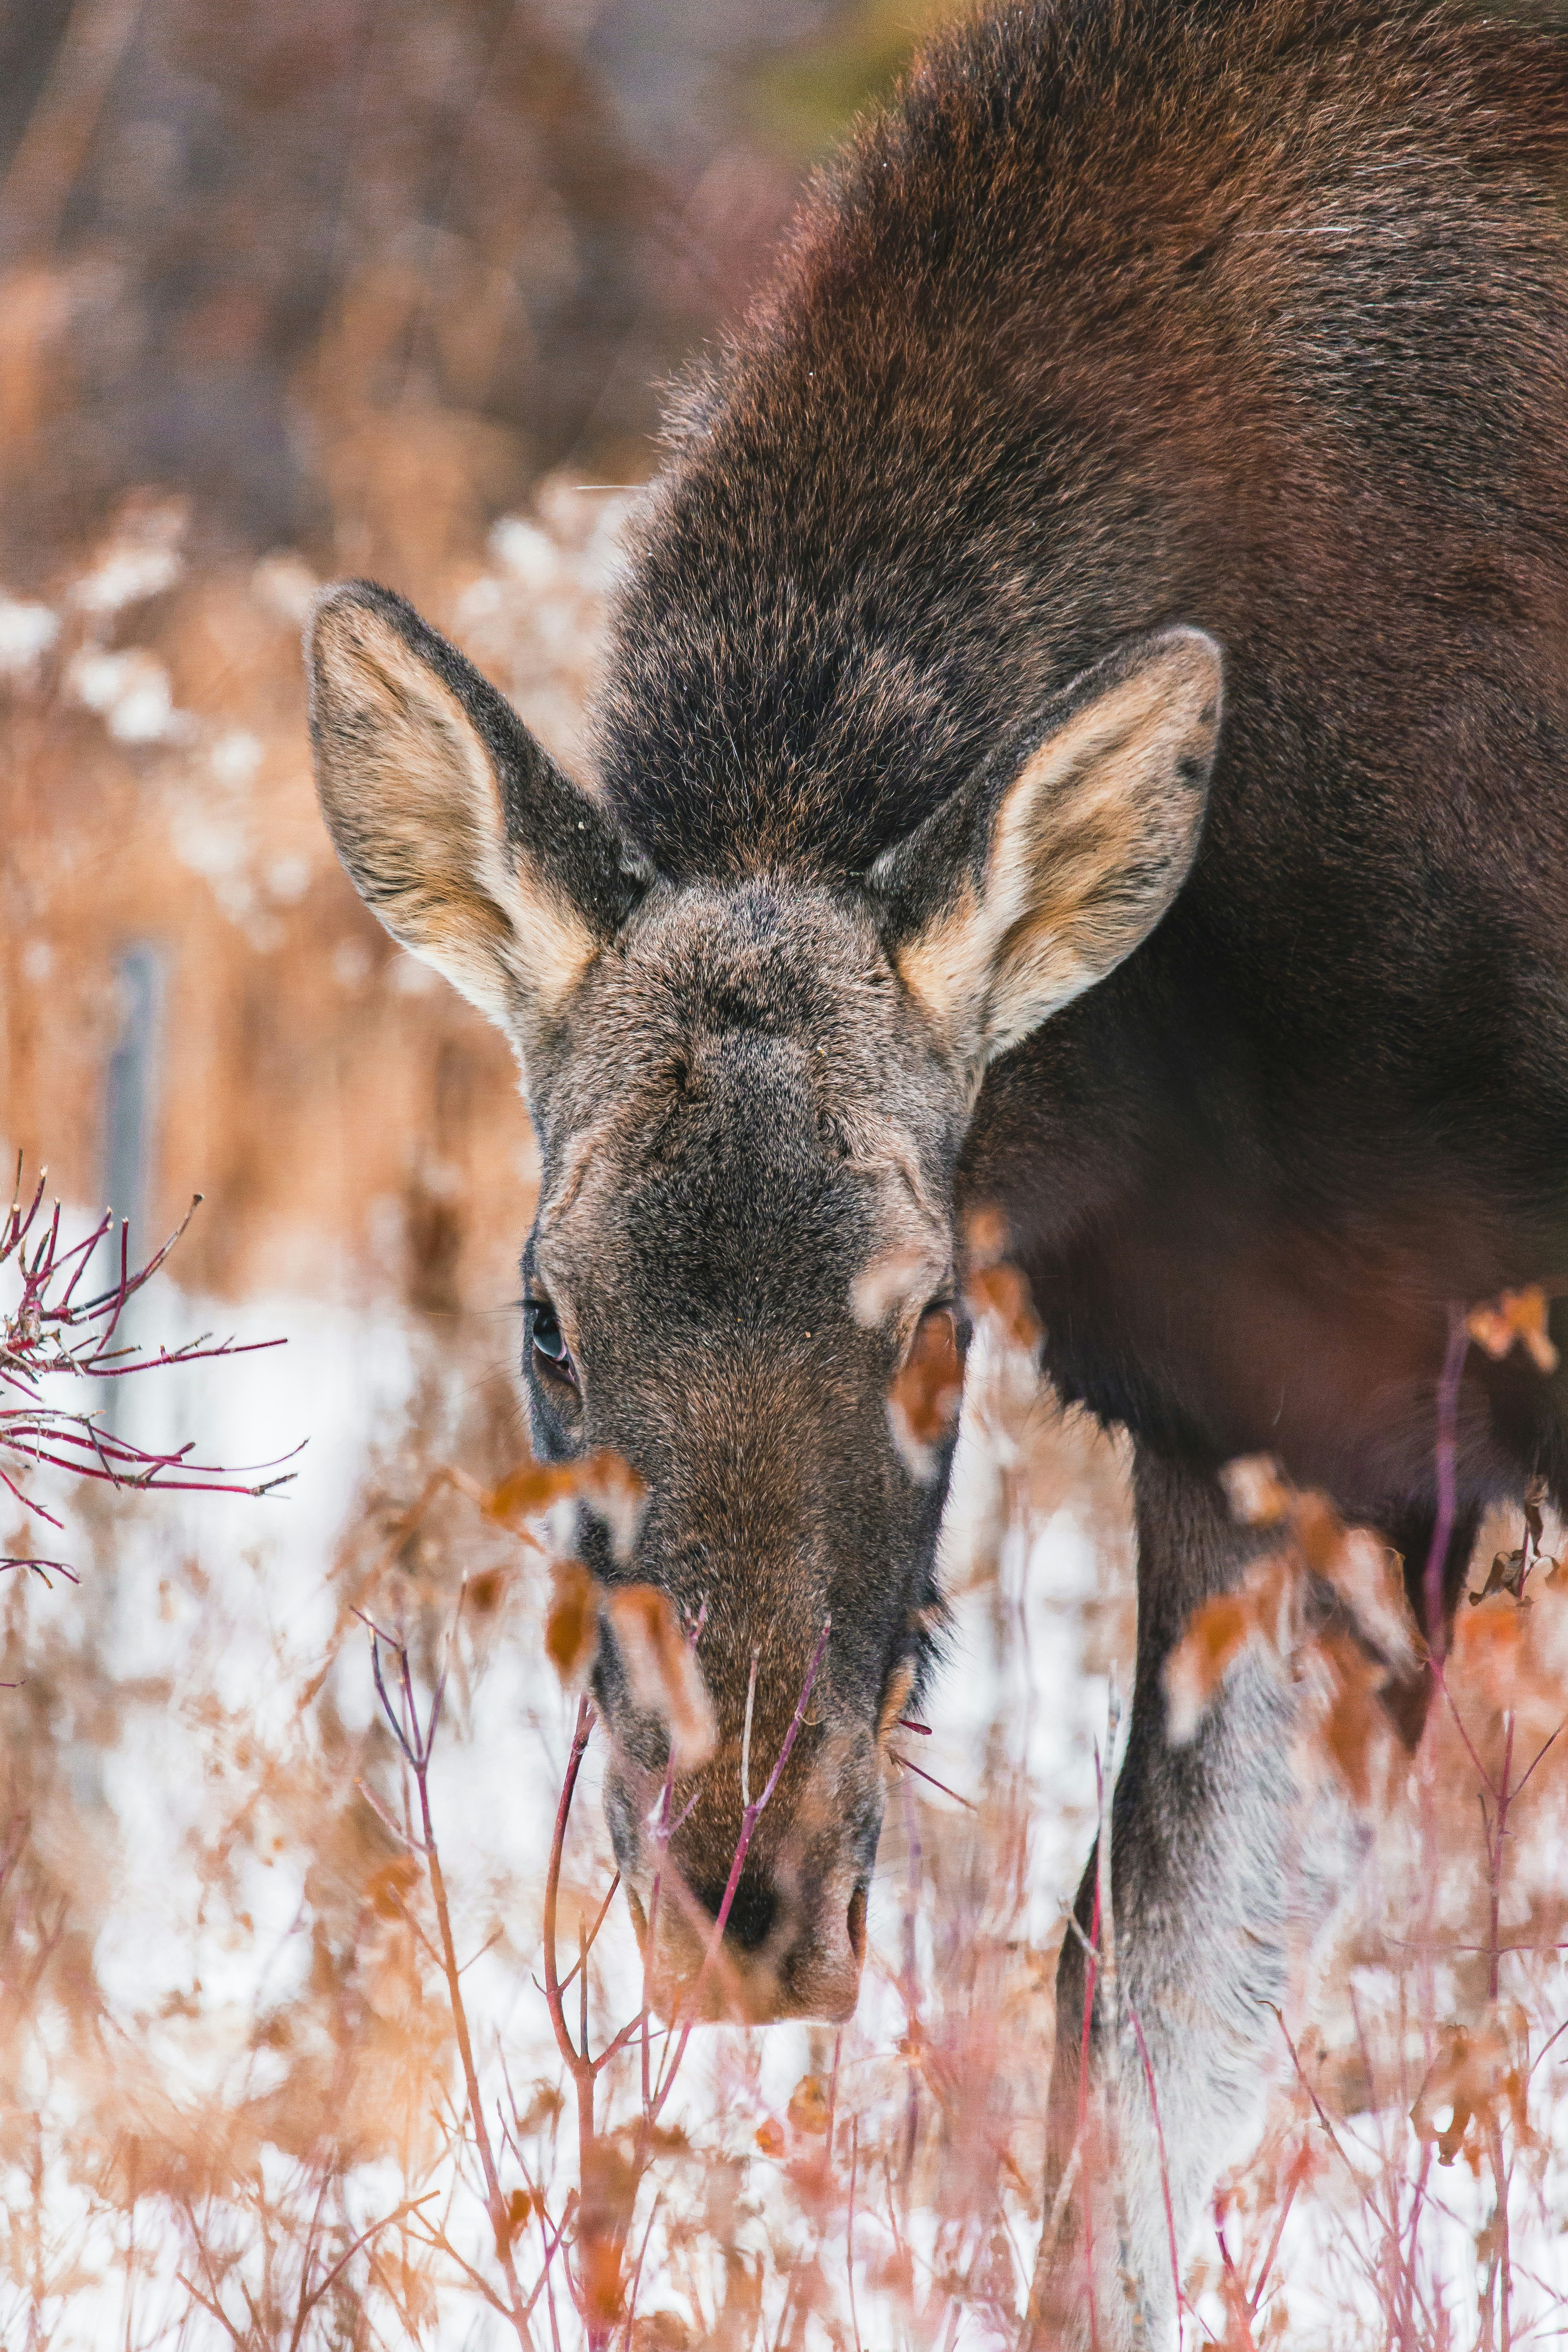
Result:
x=53 y=1333
x=416 y=1743
x=1296 y=2175
x=1165 y=2165
x=1091 y=1969
x=1498 y=1831
x=599 y=1918
x=1443 y=1527
x=849 y=2231
x=749 y=1820
x=903 y=1761
x=553 y=1986
x=1529 y=1767
x=1236 y=2294
x=307 y=2302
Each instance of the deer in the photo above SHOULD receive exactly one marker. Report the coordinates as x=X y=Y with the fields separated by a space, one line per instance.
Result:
x=1083 y=737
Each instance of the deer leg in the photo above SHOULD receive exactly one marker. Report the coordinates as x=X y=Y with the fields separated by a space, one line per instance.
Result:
x=1218 y=1859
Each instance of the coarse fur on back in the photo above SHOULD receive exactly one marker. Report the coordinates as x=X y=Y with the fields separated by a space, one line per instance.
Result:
x=1252 y=316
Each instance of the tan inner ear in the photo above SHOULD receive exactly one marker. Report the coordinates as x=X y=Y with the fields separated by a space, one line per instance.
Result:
x=415 y=807
x=1091 y=842
x=895 y=1701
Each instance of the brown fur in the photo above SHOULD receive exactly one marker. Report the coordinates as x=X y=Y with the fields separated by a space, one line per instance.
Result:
x=1134 y=326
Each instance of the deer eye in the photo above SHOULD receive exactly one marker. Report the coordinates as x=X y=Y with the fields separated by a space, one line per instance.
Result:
x=550 y=1350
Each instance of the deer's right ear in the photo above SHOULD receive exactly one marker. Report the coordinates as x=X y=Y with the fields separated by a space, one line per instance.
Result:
x=455 y=829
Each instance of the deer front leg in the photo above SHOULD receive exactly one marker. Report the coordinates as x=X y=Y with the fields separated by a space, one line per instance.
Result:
x=1218 y=1862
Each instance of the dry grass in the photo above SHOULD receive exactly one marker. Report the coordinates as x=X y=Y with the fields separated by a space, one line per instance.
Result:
x=195 y=2163
x=281 y=2067
x=236 y=2106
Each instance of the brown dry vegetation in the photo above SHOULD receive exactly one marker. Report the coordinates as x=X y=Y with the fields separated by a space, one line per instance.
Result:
x=292 y=2154
x=236 y=2106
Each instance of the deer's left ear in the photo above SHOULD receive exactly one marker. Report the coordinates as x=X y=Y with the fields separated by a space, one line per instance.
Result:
x=1012 y=899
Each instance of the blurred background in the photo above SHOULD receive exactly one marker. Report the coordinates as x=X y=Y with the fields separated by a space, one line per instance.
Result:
x=292 y=290
x=288 y=291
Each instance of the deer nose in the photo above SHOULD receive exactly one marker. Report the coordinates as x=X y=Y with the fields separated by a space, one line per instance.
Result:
x=753 y=1910
x=779 y=1958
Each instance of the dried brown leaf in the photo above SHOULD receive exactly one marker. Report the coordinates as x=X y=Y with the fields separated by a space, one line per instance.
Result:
x=886 y=1283
x=1506 y=1574
x=1478 y=2072
x=1354 y=1732
x=1215 y=1635
x=985 y=1237
x=484 y=1591
x=1266 y=1607
x=808 y=2110
x=1368 y=1575
x=660 y=2331
x=388 y=1889
x=1257 y=1494
x=571 y=1627
x=1535 y=1501
x=924 y=1399
x=530 y=1489
x=613 y=1491
x=1517 y=1315
x=607 y=2194
x=1001 y=1293
x=607 y=1485
x=1275 y=1588
x=662 y=1669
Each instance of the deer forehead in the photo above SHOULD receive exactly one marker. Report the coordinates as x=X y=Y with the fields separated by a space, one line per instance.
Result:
x=702 y=1085
x=781 y=956
x=768 y=1000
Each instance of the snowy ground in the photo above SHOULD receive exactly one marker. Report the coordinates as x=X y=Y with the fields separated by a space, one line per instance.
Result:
x=196 y=1644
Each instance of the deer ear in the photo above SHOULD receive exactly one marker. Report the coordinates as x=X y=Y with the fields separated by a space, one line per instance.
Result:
x=455 y=829
x=1013 y=899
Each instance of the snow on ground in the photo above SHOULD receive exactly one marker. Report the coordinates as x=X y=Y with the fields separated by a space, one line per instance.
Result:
x=209 y=1620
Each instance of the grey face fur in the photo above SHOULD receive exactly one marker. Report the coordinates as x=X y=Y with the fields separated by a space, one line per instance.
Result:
x=778 y=1122
x=751 y=1094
